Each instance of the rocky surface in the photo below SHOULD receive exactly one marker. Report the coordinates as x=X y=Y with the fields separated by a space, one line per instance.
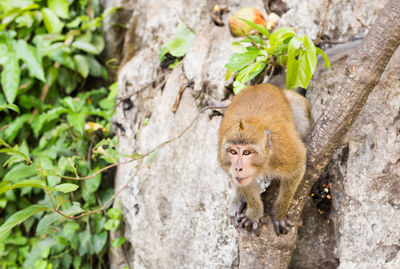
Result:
x=175 y=204
x=345 y=19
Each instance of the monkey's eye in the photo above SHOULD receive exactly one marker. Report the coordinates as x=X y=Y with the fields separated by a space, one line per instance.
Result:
x=246 y=152
x=232 y=151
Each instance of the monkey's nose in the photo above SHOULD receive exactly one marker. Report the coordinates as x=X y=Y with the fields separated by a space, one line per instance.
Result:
x=238 y=169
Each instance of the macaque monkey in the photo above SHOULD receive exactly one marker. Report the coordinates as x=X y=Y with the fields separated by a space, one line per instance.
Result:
x=262 y=134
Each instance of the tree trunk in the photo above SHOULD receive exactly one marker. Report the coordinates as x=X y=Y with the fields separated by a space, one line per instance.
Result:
x=363 y=71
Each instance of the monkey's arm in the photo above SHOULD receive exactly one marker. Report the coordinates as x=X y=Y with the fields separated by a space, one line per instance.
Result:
x=255 y=207
x=287 y=190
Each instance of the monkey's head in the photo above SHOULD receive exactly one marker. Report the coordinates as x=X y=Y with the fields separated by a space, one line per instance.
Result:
x=244 y=149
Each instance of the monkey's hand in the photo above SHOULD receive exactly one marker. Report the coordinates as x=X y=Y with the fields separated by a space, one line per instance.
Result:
x=280 y=226
x=238 y=208
x=251 y=220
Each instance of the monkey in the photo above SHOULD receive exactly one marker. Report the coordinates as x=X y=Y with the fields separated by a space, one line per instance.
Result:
x=262 y=133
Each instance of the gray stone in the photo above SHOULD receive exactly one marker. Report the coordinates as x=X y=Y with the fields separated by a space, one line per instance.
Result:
x=341 y=24
x=175 y=206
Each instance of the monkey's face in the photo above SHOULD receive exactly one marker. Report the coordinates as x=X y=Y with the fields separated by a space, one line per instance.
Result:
x=245 y=163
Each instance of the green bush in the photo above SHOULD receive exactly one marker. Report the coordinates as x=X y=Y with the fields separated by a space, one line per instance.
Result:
x=54 y=126
x=284 y=48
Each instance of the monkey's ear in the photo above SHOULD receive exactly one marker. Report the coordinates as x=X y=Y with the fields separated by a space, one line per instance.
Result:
x=241 y=125
x=269 y=139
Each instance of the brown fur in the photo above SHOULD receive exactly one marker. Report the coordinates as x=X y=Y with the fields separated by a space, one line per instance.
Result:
x=261 y=117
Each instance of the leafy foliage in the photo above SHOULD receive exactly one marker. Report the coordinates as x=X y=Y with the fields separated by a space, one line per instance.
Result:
x=52 y=126
x=254 y=53
x=176 y=47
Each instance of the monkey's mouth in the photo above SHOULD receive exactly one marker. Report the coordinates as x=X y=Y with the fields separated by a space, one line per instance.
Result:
x=241 y=179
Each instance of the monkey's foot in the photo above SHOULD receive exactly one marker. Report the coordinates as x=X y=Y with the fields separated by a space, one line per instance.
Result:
x=280 y=226
x=237 y=209
x=248 y=224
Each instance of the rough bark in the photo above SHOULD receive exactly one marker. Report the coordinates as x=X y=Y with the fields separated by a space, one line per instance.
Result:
x=363 y=71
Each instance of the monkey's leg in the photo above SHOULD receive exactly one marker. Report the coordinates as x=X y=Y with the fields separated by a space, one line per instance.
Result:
x=238 y=205
x=281 y=205
x=255 y=207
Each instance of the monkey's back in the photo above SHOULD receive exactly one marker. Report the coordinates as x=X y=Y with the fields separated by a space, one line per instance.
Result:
x=266 y=106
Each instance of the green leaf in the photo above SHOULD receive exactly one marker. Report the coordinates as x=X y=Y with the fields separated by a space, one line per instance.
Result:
x=262 y=29
x=181 y=43
x=253 y=38
x=66 y=187
x=51 y=75
x=82 y=65
x=69 y=230
x=46 y=163
x=39 y=250
x=3 y=143
x=109 y=102
x=85 y=46
x=13 y=128
x=74 y=104
x=40 y=120
x=20 y=216
x=60 y=8
x=279 y=36
x=239 y=61
x=77 y=21
x=92 y=184
x=77 y=262
x=238 y=48
x=98 y=42
x=77 y=120
x=3 y=203
x=74 y=209
x=63 y=57
x=114 y=213
x=324 y=56
x=177 y=46
x=117 y=242
x=6 y=186
x=96 y=69
x=99 y=241
x=53 y=24
x=30 y=56
x=85 y=245
x=112 y=224
x=10 y=106
x=228 y=74
x=46 y=221
x=21 y=171
x=250 y=71
x=238 y=86
x=10 y=77
x=302 y=61
x=163 y=51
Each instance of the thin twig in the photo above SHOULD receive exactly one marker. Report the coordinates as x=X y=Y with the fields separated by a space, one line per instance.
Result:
x=252 y=40
x=101 y=170
x=362 y=24
x=187 y=83
x=3 y=127
x=321 y=30
x=123 y=98
x=105 y=204
x=183 y=21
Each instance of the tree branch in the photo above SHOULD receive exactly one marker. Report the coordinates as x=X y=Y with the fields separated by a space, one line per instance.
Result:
x=362 y=73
